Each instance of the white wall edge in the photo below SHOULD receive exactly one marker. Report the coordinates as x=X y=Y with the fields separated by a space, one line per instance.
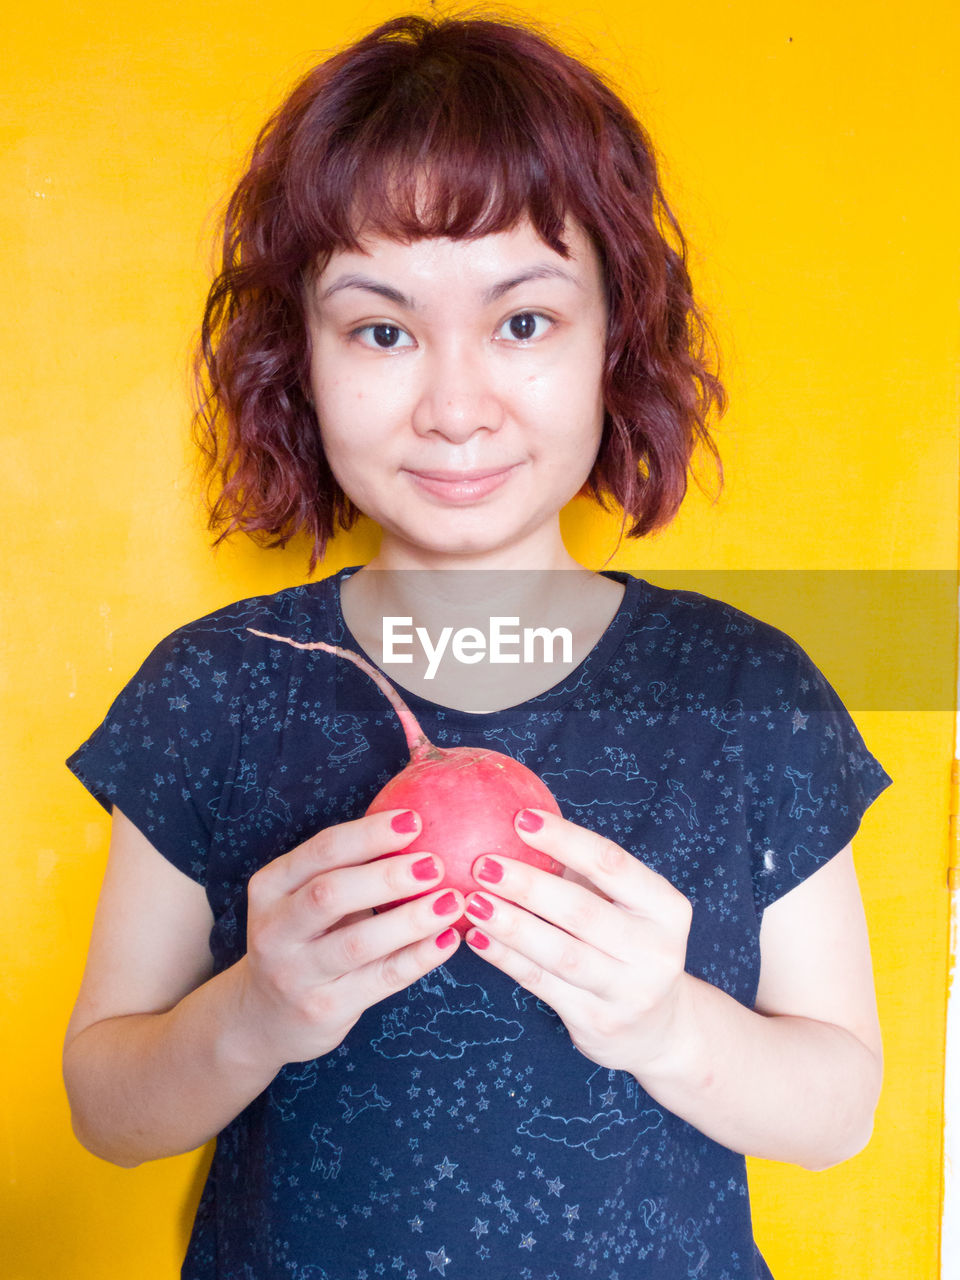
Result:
x=950 y=1222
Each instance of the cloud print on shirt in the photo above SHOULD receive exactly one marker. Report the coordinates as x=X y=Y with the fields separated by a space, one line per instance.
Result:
x=608 y=1133
x=584 y=787
x=445 y=1035
x=442 y=1020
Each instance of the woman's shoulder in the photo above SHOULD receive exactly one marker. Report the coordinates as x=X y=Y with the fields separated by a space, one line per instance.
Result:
x=216 y=659
x=708 y=633
x=306 y=612
x=172 y=728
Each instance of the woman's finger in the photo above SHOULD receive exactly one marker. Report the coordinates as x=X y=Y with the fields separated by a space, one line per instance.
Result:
x=616 y=873
x=367 y=943
x=572 y=908
x=330 y=896
x=343 y=845
x=562 y=954
x=572 y=1005
x=358 y=990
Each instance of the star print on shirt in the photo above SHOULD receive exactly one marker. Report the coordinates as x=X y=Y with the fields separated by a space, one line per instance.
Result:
x=438 y=1260
x=446 y=1169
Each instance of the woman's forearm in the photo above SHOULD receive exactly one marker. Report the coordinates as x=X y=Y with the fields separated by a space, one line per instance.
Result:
x=777 y=1087
x=147 y=1085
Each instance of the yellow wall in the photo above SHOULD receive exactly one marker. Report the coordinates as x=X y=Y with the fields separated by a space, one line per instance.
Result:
x=810 y=150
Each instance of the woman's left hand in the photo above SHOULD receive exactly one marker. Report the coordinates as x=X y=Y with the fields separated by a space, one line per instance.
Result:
x=605 y=951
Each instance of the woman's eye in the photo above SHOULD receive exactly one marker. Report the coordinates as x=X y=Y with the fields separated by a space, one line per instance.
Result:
x=385 y=336
x=524 y=326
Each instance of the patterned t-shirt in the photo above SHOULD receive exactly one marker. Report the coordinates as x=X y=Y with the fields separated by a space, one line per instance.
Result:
x=457 y=1132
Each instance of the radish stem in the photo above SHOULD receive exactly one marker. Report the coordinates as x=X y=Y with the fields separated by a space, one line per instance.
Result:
x=417 y=741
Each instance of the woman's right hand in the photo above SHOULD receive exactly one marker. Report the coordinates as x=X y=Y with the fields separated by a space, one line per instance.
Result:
x=317 y=955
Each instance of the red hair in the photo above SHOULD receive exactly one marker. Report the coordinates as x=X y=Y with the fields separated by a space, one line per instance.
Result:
x=504 y=124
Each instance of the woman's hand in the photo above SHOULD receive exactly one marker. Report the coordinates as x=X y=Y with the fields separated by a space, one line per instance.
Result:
x=604 y=949
x=317 y=955
x=795 y=1079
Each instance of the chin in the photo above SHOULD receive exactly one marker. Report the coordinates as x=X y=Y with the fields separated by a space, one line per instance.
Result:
x=453 y=533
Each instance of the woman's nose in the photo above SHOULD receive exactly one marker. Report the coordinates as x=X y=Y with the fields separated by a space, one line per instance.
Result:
x=457 y=396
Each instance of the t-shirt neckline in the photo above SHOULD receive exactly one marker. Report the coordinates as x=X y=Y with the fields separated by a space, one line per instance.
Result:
x=582 y=676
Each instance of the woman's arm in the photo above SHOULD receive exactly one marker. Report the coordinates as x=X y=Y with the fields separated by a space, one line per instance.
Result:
x=795 y=1079
x=160 y=1056
x=798 y=1078
x=147 y=1052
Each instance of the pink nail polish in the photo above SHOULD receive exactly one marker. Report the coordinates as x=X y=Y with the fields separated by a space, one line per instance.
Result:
x=404 y=822
x=527 y=820
x=477 y=939
x=443 y=906
x=479 y=906
x=490 y=871
x=446 y=937
x=425 y=869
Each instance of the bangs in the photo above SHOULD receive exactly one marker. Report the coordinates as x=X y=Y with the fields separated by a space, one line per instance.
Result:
x=406 y=197
x=456 y=147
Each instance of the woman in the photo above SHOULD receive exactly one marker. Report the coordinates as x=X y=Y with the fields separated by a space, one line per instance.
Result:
x=453 y=298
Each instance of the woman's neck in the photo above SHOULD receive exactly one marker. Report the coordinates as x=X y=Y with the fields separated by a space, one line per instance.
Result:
x=478 y=639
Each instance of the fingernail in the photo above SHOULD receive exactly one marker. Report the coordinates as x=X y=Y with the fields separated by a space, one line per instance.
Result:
x=490 y=871
x=527 y=820
x=425 y=869
x=477 y=939
x=479 y=906
x=403 y=822
x=446 y=937
x=443 y=906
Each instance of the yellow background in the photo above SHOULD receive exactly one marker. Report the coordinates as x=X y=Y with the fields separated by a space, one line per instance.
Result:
x=810 y=153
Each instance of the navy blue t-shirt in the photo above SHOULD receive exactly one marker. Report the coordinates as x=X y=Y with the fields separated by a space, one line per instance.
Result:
x=456 y=1131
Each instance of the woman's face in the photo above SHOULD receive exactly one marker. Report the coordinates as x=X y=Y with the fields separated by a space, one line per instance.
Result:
x=458 y=388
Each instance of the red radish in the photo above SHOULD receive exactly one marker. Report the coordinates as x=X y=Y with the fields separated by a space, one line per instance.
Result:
x=467 y=797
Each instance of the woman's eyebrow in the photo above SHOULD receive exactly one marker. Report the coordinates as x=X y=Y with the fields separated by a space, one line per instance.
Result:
x=543 y=271
x=355 y=281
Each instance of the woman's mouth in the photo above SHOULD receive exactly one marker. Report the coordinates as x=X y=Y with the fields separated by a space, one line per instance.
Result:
x=461 y=486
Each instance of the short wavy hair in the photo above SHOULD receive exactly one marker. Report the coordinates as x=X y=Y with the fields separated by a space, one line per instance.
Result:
x=506 y=125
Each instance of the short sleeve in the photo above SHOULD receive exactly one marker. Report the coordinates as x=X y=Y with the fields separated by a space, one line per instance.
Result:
x=819 y=780
x=163 y=751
